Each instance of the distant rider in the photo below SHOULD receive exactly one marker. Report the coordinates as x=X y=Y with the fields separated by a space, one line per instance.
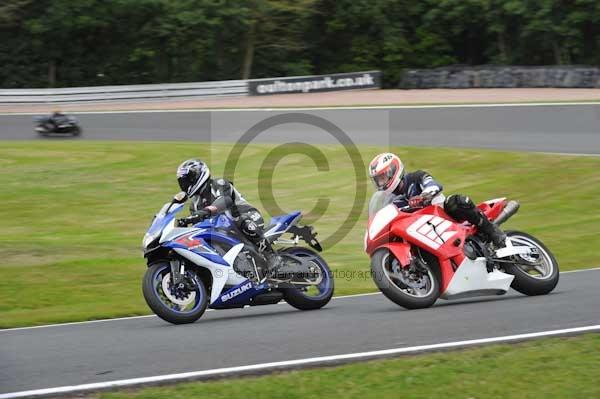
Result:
x=57 y=118
x=419 y=189
x=212 y=196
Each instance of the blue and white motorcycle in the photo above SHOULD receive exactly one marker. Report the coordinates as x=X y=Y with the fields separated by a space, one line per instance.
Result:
x=212 y=264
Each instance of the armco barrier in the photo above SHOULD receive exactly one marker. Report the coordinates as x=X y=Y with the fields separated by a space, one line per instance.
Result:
x=123 y=93
x=346 y=81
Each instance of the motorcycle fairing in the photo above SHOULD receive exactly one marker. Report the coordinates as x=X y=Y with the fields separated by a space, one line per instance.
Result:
x=239 y=295
x=472 y=279
x=195 y=242
x=222 y=273
x=493 y=207
x=280 y=224
x=401 y=251
x=445 y=242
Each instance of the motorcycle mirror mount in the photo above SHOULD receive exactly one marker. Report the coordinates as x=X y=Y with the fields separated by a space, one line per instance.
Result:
x=180 y=197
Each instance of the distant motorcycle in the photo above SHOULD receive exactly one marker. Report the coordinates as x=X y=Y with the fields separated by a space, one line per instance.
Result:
x=420 y=255
x=63 y=125
x=212 y=264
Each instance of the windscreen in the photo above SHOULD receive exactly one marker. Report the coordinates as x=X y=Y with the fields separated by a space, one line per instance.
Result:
x=379 y=200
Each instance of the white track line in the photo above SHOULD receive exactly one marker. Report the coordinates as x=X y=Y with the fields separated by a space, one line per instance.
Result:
x=74 y=323
x=324 y=108
x=265 y=367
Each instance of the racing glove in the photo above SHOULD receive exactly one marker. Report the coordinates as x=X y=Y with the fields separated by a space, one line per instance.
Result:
x=420 y=201
x=198 y=216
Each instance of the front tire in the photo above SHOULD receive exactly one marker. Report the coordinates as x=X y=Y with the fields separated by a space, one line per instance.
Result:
x=387 y=276
x=177 y=306
x=304 y=300
x=537 y=274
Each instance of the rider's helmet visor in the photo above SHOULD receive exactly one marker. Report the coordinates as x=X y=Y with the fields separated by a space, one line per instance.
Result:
x=383 y=179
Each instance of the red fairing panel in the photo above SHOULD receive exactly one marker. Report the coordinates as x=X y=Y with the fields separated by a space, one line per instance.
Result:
x=492 y=208
x=401 y=251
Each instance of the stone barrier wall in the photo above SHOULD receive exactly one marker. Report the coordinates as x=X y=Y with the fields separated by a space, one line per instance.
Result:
x=464 y=77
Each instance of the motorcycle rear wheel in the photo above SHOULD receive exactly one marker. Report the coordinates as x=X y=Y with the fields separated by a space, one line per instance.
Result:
x=383 y=264
x=307 y=300
x=538 y=275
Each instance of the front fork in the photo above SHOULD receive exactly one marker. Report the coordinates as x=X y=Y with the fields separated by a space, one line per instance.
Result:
x=177 y=271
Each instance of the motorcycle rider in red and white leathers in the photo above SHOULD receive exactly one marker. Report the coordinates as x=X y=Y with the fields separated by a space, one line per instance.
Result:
x=419 y=189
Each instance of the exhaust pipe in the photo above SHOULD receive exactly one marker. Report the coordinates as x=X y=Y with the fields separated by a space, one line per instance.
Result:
x=510 y=209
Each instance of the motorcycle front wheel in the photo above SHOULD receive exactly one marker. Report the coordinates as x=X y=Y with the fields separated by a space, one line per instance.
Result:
x=409 y=287
x=180 y=304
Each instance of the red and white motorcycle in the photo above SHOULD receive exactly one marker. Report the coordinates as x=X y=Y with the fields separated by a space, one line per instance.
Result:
x=420 y=255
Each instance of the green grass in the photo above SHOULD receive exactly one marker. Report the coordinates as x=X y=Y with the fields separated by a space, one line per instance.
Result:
x=550 y=368
x=73 y=213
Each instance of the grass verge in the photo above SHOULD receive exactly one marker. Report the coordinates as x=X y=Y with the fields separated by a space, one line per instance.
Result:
x=74 y=212
x=549 y=368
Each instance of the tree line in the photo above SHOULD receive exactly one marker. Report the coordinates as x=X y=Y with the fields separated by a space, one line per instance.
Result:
x=58 y=43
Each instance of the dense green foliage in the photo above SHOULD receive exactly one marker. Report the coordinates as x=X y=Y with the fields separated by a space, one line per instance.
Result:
x=66 y=43
x=48 y=43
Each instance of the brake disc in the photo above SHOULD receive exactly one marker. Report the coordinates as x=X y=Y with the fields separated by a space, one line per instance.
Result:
x=168 y=291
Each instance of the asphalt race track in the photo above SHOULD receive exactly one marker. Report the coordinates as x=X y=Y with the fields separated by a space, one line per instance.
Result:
x=83 y=353
x=140 y=347
x=548 y=128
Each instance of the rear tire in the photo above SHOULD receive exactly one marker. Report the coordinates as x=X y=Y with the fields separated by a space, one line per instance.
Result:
x=526 y=283
x=296 y=297
x=383 y=257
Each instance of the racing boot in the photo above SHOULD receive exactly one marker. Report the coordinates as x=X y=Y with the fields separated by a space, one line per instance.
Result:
x=492 y=232
x=273 y=259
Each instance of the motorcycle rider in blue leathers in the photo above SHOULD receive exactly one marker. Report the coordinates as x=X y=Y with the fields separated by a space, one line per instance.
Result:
x=212 y=196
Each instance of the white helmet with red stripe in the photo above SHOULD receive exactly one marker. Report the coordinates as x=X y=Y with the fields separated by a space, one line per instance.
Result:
x=386 y=170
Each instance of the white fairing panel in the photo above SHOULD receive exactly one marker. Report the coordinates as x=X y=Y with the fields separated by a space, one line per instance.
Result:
x=382 y=219
x=221 y=274
x=170 y=232
x=472 y=279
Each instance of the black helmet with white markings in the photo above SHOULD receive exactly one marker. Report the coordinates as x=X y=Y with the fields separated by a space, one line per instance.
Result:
x=193 y=176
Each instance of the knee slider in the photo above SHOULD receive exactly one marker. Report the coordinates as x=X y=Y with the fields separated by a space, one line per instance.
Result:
x=249 y=227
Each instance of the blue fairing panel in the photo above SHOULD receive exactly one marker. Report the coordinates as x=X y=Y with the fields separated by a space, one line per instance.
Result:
x=239 y=295
x=219 y=222
x=284 y=220
x=209 y=236
x=279 y=224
